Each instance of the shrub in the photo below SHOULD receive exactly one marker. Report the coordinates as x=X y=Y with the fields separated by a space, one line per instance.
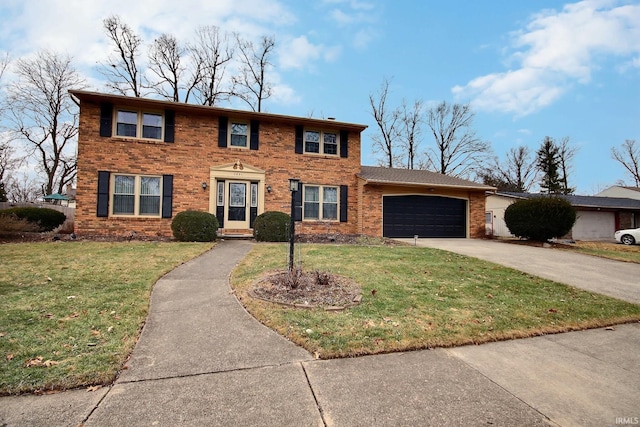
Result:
x=47 y=219
x=540 y=218
x=195 y=226
x=10 y=224
x=272 y=227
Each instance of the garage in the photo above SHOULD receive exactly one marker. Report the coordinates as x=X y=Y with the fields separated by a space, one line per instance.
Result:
x=424 y=216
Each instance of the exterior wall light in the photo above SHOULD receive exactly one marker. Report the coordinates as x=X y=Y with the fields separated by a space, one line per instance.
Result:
x=204 y=185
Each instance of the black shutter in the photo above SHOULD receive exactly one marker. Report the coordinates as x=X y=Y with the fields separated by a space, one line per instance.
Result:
x=167 y=196
x=169 y=125
x=297 y=203
x=344 y=202
x=102 y=209
x=255 y=134
x=106 y=118
x=222 y=131
x=344 y=143
x=299 y=142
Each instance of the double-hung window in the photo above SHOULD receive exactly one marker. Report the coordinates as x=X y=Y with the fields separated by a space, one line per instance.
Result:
x=139 y=124
x=320 y=203
x=320 y=142
x=239 y=134
x=136 y=195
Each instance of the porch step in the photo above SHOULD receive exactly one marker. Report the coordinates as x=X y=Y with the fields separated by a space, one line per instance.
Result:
x=235 y=234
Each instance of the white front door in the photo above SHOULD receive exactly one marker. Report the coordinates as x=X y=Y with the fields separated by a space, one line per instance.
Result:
x=236 y=206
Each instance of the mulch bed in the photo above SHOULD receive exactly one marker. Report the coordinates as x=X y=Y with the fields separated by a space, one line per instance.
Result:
x=307 y=289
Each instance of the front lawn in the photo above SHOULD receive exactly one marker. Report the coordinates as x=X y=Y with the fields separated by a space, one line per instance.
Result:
x=72 y=311
x=415 y=298
x=615 y=251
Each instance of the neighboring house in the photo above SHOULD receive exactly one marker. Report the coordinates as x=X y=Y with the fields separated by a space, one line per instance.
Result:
x=598 y=217
x=141 y=161
x=621 y=191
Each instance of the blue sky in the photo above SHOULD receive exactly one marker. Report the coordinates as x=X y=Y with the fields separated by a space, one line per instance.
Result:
x=530 y=69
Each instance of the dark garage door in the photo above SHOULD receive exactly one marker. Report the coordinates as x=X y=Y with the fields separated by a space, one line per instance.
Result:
x=425 y=216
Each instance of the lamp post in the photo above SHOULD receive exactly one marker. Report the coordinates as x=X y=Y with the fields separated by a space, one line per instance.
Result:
x=293 y=187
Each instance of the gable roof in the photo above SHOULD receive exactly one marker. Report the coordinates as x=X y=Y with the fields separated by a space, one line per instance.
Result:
x=583 y=201
x=418 y=178
x=97 y=97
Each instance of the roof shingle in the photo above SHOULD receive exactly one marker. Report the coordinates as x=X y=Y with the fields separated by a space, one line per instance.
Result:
x=380 y=175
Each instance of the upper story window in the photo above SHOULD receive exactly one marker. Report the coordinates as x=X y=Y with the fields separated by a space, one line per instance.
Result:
x=139 y=124
x=238 y=134
x=136 y=195
x=320 y=142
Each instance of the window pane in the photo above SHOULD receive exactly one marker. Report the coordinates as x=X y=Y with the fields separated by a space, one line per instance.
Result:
x=123 y=195
x=149 y=205
x=311 y=194
x=124 y=184
x=312 y=142
x=129 y=117
x=330 y=195
x=329 y=203
x=239 y=128
x=123 y=204
x=127 y=122
x=149 y=186
x=237 y=194
x=311 y=202
x=311 y=210
x=330 y=143
x=329 y=211
x=152 y=126
x=238 y=141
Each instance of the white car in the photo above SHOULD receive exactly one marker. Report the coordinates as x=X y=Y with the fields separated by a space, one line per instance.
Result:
x=628 y=237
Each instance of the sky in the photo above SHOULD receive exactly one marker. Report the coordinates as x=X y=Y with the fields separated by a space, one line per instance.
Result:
x=529 y=69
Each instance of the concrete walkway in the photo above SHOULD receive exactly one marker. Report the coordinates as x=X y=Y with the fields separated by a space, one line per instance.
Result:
x=202 y=360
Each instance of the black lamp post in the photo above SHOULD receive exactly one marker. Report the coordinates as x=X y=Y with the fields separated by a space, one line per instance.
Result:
x=293 y=187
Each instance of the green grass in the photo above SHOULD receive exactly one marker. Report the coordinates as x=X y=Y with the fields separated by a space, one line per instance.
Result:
x=608 y=250
x=72 y=312
x=424 y=298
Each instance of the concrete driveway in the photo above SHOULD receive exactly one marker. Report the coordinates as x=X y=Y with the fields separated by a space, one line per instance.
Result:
x=614 y=278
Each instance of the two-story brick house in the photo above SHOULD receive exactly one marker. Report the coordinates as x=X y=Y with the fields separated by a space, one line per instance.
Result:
x=141 y=161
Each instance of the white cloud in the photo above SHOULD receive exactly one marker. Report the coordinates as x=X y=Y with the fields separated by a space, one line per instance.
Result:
x=299 y=53
x=554 y=51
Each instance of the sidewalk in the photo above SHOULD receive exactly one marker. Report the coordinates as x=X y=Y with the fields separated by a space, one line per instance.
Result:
x=202 y=360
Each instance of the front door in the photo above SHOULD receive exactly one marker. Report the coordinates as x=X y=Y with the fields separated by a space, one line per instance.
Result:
x=236 y=206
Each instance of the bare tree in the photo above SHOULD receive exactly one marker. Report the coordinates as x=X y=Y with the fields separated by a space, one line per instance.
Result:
x=389 y=124
x=628 y=155
x=458 y=151
x=518 y=173
x=213 y=52
x=179 y=68
x=411 y=130
x=566 y=154
x=21 y=189
x=251 y=84
x=44 y=117
x=121 y=69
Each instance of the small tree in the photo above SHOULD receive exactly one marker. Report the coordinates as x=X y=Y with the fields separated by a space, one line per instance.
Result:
x=548 y=162
x=540 y=218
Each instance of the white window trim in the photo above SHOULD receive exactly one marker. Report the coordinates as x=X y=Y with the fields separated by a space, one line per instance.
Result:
x=136 y=196
x=229 y=135
x=321 y=148
x=321 y=203
x=140 y=113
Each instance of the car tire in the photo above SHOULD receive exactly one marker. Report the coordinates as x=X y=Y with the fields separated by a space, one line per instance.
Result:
x=628 y=239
